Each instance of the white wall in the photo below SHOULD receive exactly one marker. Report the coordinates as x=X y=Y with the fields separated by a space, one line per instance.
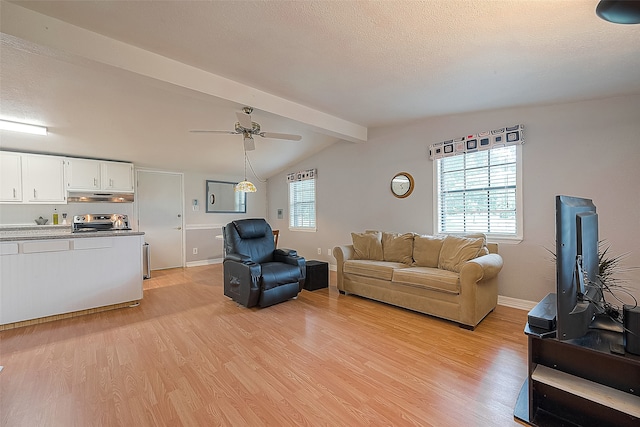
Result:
x=588 y=149
x=202 y=227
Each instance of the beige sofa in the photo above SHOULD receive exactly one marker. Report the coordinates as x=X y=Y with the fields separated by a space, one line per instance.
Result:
x=451 y=277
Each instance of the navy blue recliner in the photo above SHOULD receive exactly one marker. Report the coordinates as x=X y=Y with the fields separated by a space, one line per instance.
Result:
x=255 y=272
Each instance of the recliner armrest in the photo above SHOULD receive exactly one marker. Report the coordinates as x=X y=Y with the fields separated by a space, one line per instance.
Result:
x=285 y=252
x=238 y=258
x=254 y=268
x=290 y=256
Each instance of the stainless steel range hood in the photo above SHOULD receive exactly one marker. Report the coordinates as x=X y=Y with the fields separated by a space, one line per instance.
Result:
x=103 y=196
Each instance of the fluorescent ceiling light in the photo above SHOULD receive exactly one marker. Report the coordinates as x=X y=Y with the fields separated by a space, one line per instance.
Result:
x=22 y=127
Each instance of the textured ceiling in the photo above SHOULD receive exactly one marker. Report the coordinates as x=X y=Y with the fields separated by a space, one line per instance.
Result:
x=369 y=63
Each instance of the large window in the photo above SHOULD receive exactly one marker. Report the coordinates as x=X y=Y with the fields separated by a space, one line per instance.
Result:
x=302 y=203
x=480 y=192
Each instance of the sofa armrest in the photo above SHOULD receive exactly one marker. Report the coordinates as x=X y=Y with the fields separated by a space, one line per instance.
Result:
x=478 y=288
x=482 y=268
x=341 y=254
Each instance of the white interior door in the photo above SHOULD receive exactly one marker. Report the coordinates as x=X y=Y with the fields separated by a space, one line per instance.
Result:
x=160 y=216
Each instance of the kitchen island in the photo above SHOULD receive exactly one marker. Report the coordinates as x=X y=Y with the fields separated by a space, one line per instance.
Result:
x=48 y=273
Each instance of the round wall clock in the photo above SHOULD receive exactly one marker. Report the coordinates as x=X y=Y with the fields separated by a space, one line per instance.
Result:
x=402 y=185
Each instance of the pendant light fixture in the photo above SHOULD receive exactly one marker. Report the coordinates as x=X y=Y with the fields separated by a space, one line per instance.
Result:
x=245 y=186
x=619 y=11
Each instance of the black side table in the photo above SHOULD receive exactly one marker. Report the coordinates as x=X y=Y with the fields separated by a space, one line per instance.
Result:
x=317 y=275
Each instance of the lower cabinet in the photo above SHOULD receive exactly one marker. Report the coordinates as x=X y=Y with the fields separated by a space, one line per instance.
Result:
x=40 y=278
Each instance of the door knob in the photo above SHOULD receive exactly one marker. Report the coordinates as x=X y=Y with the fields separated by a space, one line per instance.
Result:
x=178 y=228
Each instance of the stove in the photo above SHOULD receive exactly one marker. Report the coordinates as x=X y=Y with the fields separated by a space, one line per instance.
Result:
x=94 y=223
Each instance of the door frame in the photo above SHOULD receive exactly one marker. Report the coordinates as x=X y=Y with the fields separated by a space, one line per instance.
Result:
x=137 y=207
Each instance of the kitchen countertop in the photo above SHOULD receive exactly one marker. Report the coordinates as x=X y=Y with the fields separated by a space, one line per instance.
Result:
x=44 y=232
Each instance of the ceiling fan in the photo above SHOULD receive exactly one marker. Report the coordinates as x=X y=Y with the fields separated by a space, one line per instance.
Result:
x=247 y=128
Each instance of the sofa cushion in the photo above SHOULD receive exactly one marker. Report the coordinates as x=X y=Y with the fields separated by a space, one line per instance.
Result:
x=426 y=277
x=367 y=245
x=397 y=247
x=378 y=269
x=484 y=250
x=426 y=250
x=457 y=250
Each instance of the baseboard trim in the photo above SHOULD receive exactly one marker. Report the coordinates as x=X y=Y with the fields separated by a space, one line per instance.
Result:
x=516 y=303
x=204 y=262
x=51 y=318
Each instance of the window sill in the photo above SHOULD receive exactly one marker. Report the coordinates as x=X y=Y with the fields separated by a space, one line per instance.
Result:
x=308 y=230
x=505 y=239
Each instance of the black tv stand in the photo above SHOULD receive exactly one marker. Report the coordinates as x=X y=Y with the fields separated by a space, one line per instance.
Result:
x=606 y=323
x=580 y=382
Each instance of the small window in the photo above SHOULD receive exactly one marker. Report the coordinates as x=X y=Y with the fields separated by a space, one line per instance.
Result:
x=480 y=192
x=302 y=204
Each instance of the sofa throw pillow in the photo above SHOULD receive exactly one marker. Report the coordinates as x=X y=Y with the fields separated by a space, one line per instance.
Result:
x=484 y=250
x=458 y=250
x=426 y=250
x=367 y=245
x=397 y=247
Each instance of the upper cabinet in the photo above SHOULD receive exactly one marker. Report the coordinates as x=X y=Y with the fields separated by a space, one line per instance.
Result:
x=10 y=177
x=83 y=174
x=117 y=176
x=43 y=179
x=40 y=178
x=90 y=175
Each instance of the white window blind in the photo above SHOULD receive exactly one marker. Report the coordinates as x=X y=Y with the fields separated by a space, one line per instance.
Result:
x=302 y=204
x=478 y=192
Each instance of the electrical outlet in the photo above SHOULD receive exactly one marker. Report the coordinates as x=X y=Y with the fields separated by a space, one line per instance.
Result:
x=329 y=251
x=319 y=251
x=195 y=251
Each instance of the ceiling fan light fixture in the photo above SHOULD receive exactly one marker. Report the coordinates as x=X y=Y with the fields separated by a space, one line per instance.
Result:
x=619 y=11
x=249 y=143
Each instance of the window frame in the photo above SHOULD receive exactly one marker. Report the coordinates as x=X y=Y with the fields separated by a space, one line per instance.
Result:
x=493 y=237
x=313 y=228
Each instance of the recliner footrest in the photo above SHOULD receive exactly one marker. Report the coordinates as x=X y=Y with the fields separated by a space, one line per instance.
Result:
x=278 y=294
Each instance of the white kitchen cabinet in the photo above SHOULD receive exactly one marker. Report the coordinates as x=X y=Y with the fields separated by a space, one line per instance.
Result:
x=40 y=278
x=93 y=175
x=83 y=174
x=10 y=177
x=43 y=179
x=117 y=176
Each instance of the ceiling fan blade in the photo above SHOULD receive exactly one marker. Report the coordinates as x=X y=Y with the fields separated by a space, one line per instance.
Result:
x=280 y=136
x=213 y=131
x=244 y=119
x=249 y=143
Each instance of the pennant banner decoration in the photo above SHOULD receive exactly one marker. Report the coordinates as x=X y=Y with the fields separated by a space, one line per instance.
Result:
x=481 y=141
x=302 y=175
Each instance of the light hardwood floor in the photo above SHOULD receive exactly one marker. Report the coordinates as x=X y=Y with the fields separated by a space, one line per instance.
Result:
x=189 y=356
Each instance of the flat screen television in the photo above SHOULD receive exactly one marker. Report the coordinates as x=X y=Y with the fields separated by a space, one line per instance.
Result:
x=579 y=297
